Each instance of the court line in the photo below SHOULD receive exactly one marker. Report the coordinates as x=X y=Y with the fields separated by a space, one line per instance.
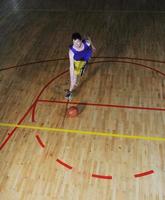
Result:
x=101 y=105
x=40 y=141
x=64 y=164
x=101 y=176
x=144 y=173
x=82 y=132
x=32 y=107
x=98 y=57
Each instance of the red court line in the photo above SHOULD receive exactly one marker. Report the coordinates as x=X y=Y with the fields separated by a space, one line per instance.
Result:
x=29 y=109
x=102 y=105
x=129 y=58
x=33 y=112
x=12 y=132
x=32 y=63
x=35 y=103
x=37 y=98
x=128 y=62
x=144 y=173
x=101 y=176
x=40 y=141
x=64 y=164
x=100 y=57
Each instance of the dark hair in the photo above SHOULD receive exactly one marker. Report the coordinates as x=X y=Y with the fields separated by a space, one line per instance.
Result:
x=76 y=36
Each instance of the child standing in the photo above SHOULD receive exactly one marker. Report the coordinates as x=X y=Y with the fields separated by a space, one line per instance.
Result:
x=79 y=54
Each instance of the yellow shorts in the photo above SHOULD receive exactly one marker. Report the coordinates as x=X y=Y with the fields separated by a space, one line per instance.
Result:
x=78 y=65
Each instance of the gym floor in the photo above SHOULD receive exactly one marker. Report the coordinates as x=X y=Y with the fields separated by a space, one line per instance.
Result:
x=114 y=149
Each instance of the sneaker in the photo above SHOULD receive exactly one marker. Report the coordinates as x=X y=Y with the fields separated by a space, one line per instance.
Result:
x=68 y=95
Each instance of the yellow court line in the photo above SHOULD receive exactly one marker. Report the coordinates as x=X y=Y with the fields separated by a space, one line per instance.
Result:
x=82 y=132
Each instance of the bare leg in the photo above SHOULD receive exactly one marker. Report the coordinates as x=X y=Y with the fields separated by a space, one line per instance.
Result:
x=73 y=82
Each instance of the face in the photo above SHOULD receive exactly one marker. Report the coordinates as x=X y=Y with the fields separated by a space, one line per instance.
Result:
x=77 y=43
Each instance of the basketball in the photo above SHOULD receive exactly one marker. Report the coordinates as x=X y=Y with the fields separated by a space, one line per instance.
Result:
x=72 y=111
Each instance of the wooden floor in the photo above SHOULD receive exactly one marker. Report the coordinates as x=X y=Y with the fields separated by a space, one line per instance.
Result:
x=121 y=95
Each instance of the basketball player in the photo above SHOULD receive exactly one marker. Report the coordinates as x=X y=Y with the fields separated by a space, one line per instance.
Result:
x=79 y=54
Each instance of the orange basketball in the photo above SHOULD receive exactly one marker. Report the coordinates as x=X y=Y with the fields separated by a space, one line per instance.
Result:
x=72 y=111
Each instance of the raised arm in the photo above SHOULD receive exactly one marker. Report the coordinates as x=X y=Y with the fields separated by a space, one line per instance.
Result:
x=89 y=42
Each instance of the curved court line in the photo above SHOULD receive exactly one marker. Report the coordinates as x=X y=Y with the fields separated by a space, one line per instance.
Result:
x=64 y=164
x=128 y=62
x=29 y=110
x=33 y=112
x=35 y=102
x=101 y=176
x=125 y=62
x=12 y=132
x=129 y=58
x=101 y=105
x=33 y=106
x=93 y=175
x=144 y=173
x=40 y=141
x=32 y=63
x=42 y=90
x=103 y=57
x=83 y=132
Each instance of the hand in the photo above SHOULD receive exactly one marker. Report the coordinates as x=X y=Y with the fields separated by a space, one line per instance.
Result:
x=88 y=39
x=93 y=48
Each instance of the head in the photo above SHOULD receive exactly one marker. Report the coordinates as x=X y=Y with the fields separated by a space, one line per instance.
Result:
x=77 y=40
